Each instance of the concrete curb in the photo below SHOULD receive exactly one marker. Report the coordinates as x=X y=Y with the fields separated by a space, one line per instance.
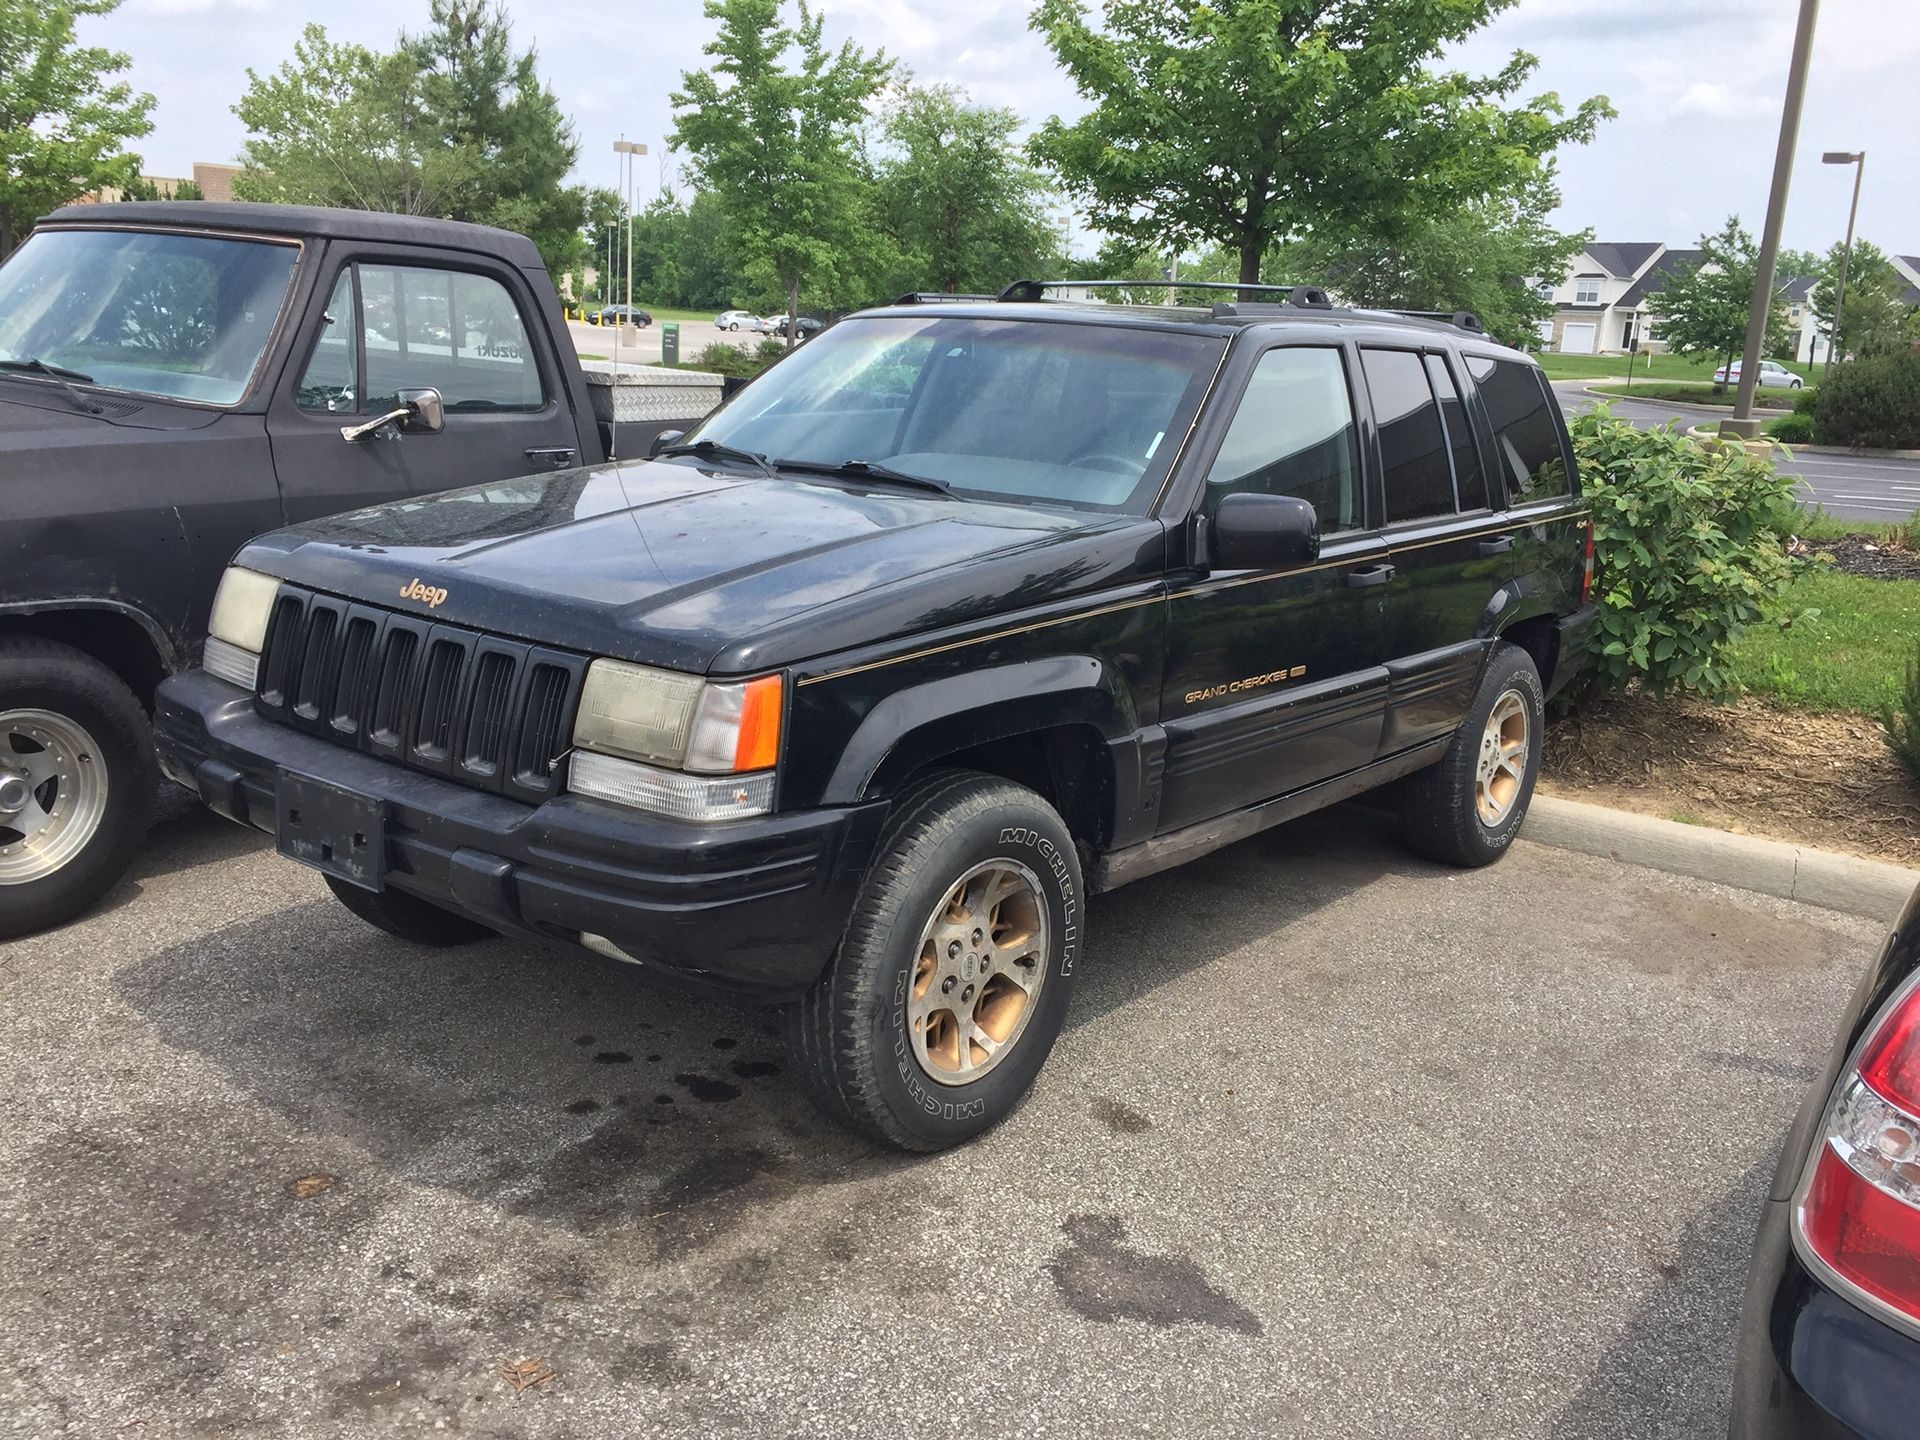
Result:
x=1772 y=411
x=1845 y=883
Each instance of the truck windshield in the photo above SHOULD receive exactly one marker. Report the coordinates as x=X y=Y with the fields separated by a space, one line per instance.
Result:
x=180 y=316
x=1036 y=411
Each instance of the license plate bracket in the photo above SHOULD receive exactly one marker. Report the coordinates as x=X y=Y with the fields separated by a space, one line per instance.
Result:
x=337 y=831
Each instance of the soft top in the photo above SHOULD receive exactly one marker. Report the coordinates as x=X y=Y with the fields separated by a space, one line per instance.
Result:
x=305 y=221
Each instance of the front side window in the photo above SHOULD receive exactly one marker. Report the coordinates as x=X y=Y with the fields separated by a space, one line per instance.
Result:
x=458 y=333
x=1413 y=448
x=1294 y=435
x=1526 y=440
x=184 y=317
x=1034 y=411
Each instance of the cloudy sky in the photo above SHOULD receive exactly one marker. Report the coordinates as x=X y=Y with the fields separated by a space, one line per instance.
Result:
x=1698 y=85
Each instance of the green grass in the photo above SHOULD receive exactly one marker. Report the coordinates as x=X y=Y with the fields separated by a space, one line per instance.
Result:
x=1851 y=655
x=1815 y=524
x=1645 y=367
x=1686 y=393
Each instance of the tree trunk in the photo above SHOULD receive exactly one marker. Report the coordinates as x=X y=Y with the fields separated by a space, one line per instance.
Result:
x=793 y=312
x=1250 y=251
x=6 y=229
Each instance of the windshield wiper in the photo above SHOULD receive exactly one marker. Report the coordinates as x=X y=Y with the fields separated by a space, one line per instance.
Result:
x=867 y=470
x=717 y=450
x=61 y=376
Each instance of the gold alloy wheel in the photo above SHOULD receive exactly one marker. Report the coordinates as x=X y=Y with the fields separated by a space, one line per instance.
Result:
x=977 y=978
x=53 y=793
x=1503 y=759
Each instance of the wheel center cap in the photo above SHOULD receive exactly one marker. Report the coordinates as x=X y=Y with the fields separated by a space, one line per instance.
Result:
x=14 y=794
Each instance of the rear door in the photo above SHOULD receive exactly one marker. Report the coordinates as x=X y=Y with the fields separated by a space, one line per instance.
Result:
x=398 y=320
x=1275 y=679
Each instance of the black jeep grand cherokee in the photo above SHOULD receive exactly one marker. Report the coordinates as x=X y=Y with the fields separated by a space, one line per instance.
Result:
x=961 y=613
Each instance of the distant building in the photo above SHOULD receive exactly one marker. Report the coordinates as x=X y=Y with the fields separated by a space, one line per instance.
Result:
x=215 y=182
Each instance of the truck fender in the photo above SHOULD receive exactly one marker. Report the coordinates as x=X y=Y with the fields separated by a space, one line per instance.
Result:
x=912 y=727
x=171 y=654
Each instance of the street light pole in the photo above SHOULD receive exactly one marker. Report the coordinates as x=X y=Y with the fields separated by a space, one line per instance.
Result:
x=1857 y=159
x=1743 y=425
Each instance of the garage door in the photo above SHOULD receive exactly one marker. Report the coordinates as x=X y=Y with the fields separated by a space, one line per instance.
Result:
x=1577 y=339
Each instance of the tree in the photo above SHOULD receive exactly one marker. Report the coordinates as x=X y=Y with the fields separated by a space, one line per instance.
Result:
x=1249 y=122
x=1875 y=320
x=957 y=197
x=777 y=144
x=63 y=124
x=1704 y=305
x=451 y=123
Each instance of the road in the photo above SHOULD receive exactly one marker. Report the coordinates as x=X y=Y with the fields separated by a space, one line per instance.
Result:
x=1853 y=487
x=695 y=336
x=1336 y=1144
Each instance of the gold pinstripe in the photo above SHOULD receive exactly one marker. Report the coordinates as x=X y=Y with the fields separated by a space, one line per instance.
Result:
x=1159 y=597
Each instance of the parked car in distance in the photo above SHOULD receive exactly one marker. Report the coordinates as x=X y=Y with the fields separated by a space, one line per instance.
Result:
x=616 y=314
x=177 y=378
x=962 y=613
x=1772 y=373
x=1829 y=1340
x=740 y=320
x=804 y=326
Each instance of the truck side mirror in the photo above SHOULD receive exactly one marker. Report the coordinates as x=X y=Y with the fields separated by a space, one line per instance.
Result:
x=663 y=440
x=1259 y=532
x=426 y=415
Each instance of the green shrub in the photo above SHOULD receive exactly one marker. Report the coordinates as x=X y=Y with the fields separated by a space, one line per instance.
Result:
x=1900 y=721
x=1805 y=399
x=721 y=358
x=1794 y=429
x=1689 y=550
x=1873 y=402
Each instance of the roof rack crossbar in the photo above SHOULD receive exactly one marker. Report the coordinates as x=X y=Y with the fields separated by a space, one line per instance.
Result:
x=1023 y=290
x=934 y=297
x=1459 y=319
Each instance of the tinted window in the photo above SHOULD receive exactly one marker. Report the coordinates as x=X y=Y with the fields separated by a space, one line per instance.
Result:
x=1468 y=478
x=1293 y=435
x=462 y=334
x=1525 y=437
x=1413 y=449
x=327 y=382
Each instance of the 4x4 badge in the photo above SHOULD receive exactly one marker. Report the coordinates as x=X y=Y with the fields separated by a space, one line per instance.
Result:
x=414 y=590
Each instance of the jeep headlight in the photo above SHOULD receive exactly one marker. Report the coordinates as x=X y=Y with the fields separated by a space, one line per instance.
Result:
x=237 y=633
x=675 y=744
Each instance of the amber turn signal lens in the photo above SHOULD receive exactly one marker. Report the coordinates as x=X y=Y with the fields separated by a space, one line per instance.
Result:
x=758 y=746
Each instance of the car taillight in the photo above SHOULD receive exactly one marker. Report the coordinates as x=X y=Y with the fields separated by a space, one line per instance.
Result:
x=1858 y=1211
x=1586 y=565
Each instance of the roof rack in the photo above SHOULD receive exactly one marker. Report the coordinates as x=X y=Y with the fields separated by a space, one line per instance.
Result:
x=1028 y=290
x=934 y=297
x=1459 y=319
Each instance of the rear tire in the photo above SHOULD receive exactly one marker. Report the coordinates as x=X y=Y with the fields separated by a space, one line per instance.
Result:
x=1466 y=808
x=77 y=782
x=952 y=981
x=408 y=917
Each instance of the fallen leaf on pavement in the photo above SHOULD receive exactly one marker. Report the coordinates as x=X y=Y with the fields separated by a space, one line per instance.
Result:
x=307 y=1186
x=526 y=1374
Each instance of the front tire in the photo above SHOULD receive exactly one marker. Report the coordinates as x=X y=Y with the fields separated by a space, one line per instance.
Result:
x=952 y=981
x=1466 y=808
x=408 y=917
x=77 y=782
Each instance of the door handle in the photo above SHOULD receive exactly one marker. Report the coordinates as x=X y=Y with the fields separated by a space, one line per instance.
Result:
x=1372 y=575
x=1499 y=545
x=558 y=456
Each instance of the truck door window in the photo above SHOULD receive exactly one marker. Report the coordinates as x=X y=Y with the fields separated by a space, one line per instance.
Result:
x=1294 y=435
x=461 y=334
x=1413 y=447
x=1524 y=435
x=1468 y=476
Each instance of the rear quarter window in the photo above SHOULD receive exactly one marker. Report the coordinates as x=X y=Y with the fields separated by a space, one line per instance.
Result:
x=1526 y=435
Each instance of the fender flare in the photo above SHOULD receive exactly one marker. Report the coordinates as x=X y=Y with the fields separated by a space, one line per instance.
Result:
x=170 y=654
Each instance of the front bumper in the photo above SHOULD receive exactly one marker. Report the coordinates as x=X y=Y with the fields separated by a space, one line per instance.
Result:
x=751 y=907
x=1810 y=1365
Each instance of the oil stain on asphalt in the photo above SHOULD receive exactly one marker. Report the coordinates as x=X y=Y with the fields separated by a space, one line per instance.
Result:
x=1103 y=1278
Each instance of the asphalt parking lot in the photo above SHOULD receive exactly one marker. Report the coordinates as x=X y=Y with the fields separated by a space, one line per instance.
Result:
x=1336 y=1144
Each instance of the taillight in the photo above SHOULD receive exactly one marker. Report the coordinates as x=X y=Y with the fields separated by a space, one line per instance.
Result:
x=1586 y=565
x=1858 y=1211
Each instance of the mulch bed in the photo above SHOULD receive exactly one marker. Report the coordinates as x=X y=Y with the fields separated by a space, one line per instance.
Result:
x=1822 y=780
x=1859 y=555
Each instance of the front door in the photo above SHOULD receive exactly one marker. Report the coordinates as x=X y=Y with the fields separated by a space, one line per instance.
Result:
x=459 y=326
x=1275 y=679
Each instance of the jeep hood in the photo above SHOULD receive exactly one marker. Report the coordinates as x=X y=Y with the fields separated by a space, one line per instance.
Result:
x=704 y=569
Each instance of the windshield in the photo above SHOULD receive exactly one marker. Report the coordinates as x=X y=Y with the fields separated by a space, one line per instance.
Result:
x=1029 y=410
x=181 y=316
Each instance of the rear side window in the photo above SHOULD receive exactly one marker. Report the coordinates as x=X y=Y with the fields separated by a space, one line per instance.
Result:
x=1468 y=478
x=1526 y=440
x=1413 y=447
x=1293 y=435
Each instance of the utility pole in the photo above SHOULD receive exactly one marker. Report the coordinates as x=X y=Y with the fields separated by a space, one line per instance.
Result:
x=1858 y=159
x=1743 y=426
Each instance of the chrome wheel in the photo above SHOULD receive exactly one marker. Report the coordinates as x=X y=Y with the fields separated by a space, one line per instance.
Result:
x=53 y=793
x=1502 y=771
x=981 y=963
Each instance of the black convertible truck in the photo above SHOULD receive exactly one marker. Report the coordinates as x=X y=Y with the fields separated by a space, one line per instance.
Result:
x=960 y=614
x=176 y=378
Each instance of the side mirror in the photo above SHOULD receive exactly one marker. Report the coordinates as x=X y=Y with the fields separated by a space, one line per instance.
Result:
x=425 y=413
x=1261 y=532
x=663 y=440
